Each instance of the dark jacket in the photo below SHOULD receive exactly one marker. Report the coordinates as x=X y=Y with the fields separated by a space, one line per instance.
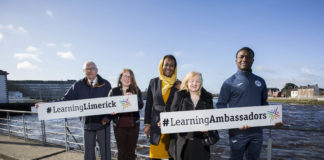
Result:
x=243 y=89
x=83 y=90
x=154 y=106
x=183 y=102
x=117 y=91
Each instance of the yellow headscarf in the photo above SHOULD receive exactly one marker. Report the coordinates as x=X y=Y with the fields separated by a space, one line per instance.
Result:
x=169 y=81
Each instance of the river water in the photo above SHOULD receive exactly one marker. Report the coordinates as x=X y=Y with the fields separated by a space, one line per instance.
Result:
x=305 y=139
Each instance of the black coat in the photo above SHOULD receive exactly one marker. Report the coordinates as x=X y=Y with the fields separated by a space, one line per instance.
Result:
x=117 y=91
x=183 y=102
x=154 y=106
x=82 y=90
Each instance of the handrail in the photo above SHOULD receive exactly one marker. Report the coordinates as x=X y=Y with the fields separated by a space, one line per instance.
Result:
x=67 y=133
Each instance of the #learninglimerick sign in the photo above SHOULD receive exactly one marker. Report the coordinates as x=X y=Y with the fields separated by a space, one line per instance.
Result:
x=87 y=107
x=226 y=118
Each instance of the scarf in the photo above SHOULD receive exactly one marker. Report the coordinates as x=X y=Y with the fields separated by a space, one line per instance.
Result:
x=169 y=81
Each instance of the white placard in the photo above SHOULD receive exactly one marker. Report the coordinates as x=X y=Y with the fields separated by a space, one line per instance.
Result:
x=87 y=107
x=226 y=118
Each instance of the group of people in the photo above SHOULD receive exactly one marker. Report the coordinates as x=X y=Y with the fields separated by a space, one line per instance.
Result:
x=166 y=93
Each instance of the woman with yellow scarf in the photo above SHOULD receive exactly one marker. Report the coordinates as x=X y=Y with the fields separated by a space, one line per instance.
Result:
x=160 y=94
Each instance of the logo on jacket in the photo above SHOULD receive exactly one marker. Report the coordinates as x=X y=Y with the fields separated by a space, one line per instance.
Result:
x=125 y=103
x=274 y=114
x=258 y=83
x=239 y=84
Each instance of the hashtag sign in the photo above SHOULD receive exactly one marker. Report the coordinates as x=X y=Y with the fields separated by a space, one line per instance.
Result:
x=165 y=122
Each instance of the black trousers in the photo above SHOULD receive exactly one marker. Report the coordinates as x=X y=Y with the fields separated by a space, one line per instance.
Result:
x=195 y=150
x=126 y=138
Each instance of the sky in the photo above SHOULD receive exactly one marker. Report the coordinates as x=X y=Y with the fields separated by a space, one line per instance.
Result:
x=50 y=40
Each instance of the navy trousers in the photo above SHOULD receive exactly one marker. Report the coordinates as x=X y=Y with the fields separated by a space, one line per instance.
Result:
x=249 y=144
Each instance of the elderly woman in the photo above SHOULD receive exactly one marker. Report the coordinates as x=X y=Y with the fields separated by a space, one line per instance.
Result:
x=191 y=96
x=160 y=94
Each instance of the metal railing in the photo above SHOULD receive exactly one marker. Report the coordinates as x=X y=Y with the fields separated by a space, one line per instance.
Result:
x=44 y=138
x=68 y=134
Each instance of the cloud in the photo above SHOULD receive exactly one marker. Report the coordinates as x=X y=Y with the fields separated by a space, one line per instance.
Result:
x=177 y=53
x=50 y=44
x=185 y=67
x=66 y=55
x=303 y=75
x=306 y=70
x=67 y=45
x=7 y=27
x=26 y=66
x=22 y=29
x=264 y=69
x=1 y=36
x=49 y=13
x=12 y=28
x=22 y=56
x=31 y=49
x=140 y=53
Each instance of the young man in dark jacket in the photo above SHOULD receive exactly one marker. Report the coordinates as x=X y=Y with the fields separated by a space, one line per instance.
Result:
x=244 y=89
x=93 y=86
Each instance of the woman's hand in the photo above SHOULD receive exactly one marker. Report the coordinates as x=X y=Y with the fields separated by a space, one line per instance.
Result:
x=147 y=130
x=159 y=124
x=104 y=121
x=178 y=84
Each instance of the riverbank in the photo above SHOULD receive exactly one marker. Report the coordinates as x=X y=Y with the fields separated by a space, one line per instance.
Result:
x=296 y=101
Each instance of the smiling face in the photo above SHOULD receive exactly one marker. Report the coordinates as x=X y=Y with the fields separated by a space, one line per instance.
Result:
x=194 y=83
x=90 y=71
x=244 y=60
x=126 y=79
x=168 y=67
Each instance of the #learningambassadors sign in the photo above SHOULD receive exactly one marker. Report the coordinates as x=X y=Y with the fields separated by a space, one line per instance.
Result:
x=226 y=118
x=87 y=107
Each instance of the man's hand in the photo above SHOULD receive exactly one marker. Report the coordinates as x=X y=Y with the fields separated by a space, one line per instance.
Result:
x=147 y=130
x=37 y=104
x=279 y=124
x=245 y=127
x=104 y=121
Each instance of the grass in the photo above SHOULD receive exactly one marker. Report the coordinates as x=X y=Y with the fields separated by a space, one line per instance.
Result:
x=296 y=101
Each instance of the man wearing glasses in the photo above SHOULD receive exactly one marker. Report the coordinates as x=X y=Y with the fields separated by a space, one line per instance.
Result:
x=93 y=86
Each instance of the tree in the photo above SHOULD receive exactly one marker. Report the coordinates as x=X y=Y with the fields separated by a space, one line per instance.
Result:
x=285 y=92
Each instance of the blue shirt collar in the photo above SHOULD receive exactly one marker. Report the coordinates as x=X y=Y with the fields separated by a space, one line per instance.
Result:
x=242 y=73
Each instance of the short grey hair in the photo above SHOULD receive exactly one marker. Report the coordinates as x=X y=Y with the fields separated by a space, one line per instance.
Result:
x=89 y=62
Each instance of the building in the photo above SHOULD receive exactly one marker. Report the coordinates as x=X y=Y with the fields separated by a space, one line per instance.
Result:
x=40 y=90
x=321 y=91
x=3 y=87
x=15 y=94
x=309 y=91
x=274 y=92
x=294 y=93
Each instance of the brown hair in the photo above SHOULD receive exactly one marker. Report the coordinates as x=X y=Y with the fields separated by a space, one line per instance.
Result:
x=133 y=84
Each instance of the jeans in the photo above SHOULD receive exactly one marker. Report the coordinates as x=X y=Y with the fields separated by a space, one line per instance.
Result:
x=246 y=143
